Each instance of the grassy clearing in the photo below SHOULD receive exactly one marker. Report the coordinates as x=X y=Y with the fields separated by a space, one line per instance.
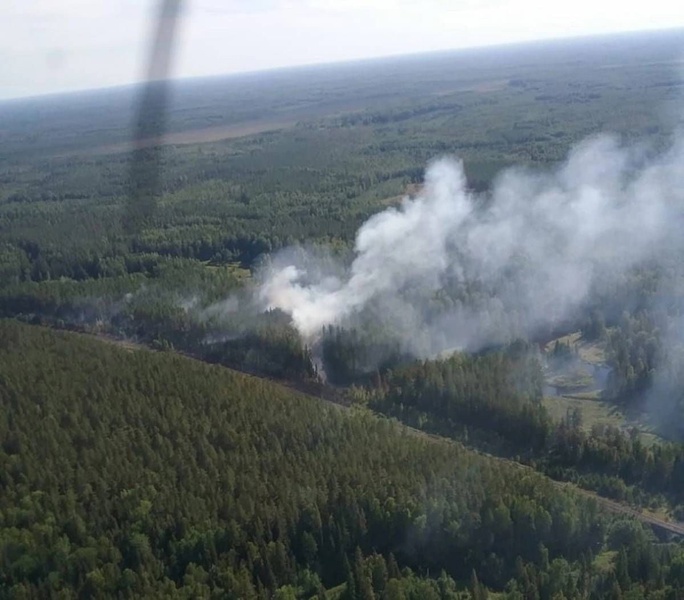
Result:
x=234 y=269
x=589 y=351
x=596 y=411
x=594 y=353
x=567 y=383
x=570 y=381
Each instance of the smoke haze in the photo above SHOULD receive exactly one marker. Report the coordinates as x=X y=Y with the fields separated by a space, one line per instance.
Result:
x=451 y=269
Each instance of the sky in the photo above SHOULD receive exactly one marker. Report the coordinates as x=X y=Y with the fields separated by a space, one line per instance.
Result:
x=49 y=46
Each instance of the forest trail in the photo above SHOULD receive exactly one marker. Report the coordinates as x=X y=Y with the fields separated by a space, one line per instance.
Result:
x=669 y=526
x=321 y=392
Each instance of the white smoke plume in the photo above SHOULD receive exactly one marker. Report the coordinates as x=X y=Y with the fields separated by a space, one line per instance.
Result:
x=451 y=269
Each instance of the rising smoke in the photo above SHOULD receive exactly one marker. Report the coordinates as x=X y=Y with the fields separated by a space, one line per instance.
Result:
x=452 y=269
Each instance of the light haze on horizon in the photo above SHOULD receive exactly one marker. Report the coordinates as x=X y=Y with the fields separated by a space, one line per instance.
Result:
x=48 y=47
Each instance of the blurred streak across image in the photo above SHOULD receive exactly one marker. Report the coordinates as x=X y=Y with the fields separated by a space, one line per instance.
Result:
x=150 y=125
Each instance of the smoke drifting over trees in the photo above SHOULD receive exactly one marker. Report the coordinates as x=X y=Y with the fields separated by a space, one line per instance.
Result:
x=453 y=269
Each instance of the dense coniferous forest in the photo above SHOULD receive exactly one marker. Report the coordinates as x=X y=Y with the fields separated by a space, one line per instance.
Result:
x=480 y=401
x=138 y=465
x=144 y=473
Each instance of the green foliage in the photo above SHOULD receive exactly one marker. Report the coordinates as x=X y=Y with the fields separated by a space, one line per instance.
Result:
x=134 y=472
x=481 y=400
x=140 y=474
x=495 y=393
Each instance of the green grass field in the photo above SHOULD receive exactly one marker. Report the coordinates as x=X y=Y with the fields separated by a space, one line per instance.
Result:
x=591 y=352
x=596 y=411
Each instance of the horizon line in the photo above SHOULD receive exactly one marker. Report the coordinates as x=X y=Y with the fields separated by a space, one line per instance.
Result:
x=341 y=63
